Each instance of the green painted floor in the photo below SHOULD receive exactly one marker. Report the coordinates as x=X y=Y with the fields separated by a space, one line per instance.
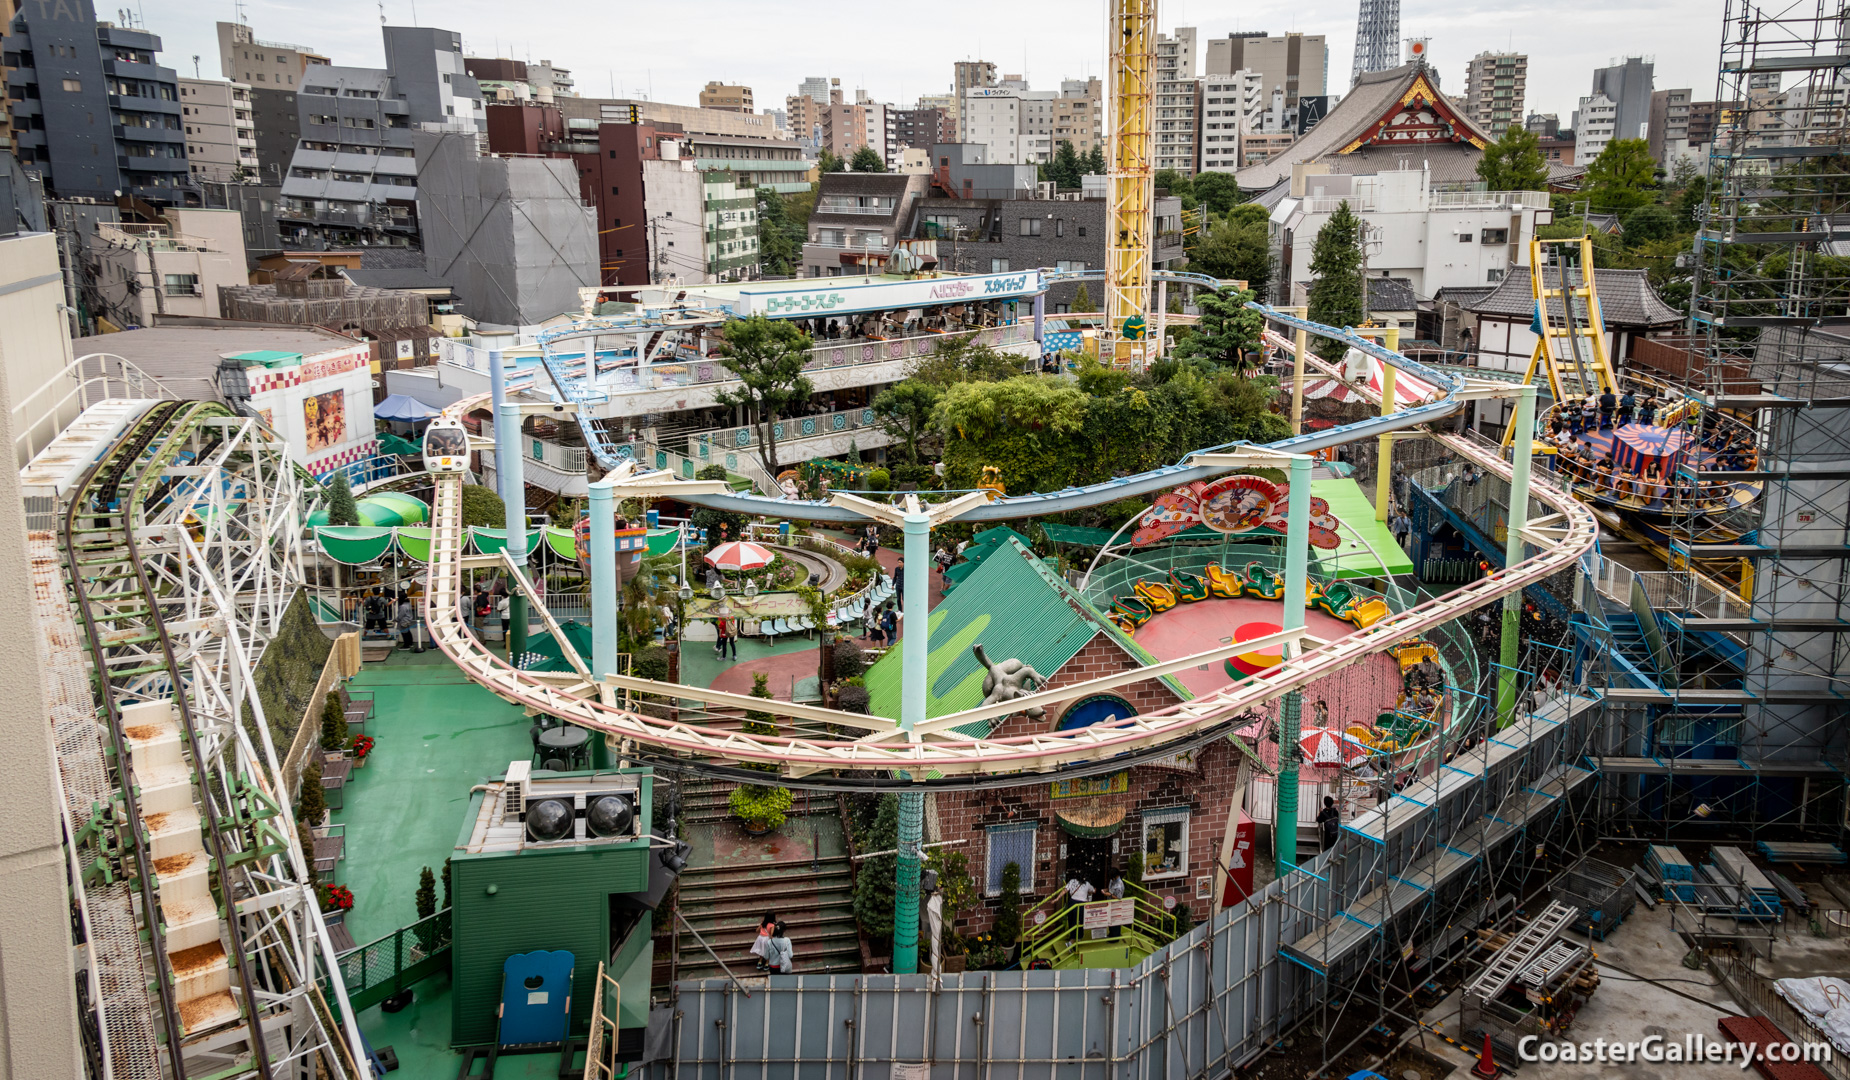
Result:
x=699 y=666
x=438 y=736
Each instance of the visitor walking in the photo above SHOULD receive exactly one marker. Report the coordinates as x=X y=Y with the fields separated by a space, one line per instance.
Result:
x=406 y=620
x=719 y=641
x=507 y=620
x=780 y=954
x=761 y=945
x=1329 y=822
x=899 y=581
x=889 y=626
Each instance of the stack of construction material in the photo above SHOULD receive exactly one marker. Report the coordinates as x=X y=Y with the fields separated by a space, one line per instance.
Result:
x=1601 y=891
x=1676 y=873
x=1759 y=897
x=1822 y=854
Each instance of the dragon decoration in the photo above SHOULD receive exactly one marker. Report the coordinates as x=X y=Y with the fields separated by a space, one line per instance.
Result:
x=1242 y=503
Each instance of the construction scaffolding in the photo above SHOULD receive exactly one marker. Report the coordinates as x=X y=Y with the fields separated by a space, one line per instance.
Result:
x=1738 y=722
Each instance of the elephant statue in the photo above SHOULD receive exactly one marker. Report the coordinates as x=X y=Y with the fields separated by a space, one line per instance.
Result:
x=1008 y=680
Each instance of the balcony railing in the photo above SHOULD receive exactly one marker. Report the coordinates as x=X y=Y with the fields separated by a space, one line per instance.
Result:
x=881 y=211
x=705 y=445
x=660 y=376
x=850 y=245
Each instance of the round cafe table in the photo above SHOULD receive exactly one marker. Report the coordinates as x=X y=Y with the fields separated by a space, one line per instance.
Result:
x=568 y=740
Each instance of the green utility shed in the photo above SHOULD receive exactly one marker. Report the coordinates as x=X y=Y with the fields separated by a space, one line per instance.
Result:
x=510 y=895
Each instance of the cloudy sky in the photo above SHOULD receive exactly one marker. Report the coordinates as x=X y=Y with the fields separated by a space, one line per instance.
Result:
x=898 y=51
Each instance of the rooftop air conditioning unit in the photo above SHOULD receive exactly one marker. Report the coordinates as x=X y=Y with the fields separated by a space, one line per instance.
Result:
x=571 y=809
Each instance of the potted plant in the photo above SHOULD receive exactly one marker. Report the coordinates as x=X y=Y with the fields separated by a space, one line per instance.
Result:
x=761 y=810
x=957 y=893
x=362 y=748
x=335 y=898
x=1008 y=910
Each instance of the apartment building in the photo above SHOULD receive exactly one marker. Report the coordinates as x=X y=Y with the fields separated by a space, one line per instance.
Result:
x=922 y=128
x=1628 y=85
x=243 y=58
x=1669 y=138
x=92 y=113
x=716 y=95
x=171 y=267
x=858 y=217
x=1494 y=88
x=803 y=118
x=221 y=129
x=354 y=172
x=968 y=75
x=1296 y=64
x=1232 y=109
x=1176 y=94
x=1079 y=115
x=1594 y=123
x=1544 y=125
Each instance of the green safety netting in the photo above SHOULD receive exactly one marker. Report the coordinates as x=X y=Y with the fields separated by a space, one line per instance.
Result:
x=491 y=541
x=354 y=544
x=563 y=543
x=415 y=543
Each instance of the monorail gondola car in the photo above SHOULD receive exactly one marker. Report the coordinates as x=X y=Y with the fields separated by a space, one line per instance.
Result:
x=446 y=447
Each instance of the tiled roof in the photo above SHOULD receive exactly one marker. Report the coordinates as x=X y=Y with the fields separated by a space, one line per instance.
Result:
x=1392 y=294
x=1364 y=104
x=1465 y=295
x=1626 y=298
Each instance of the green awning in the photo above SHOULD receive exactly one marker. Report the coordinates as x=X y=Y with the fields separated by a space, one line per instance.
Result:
x=562 y=542
x=662 y=541
x=353 y=544
x=491 y=541
x=415 y=542
x=393 y=444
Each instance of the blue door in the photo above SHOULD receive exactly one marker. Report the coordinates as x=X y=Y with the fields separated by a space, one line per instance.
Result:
x=536 y=997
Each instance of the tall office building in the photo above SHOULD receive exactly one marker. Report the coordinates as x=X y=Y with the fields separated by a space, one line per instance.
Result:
x=1232 y=107
x=1494 y=87
x=92 y=111
x=1628 y=85
x=1297 y=64
x=221 y=132
x=815 y=88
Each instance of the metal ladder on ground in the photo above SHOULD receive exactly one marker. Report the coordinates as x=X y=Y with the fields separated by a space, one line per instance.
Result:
x=1570 y=351
x=1523 y=948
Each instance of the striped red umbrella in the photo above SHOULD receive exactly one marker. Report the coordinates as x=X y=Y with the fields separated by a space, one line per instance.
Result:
x=739 y=555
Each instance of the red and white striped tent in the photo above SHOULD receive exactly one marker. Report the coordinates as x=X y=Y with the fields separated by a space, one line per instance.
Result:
x=739 y=555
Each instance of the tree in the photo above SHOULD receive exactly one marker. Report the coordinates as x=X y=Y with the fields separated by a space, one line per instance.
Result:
x=866 y=159
x=1236 y=248
x=904 y=412
x=312 y=803
x=1691 y=199
x=1176 y=184
x=1514 y=162
x=1082 y=299
x=1648 y=224
x=874 y=884
x=1095 y=161
x=342 y=510
x=963 y=359
x=760 y=723
x=711 y=472
x=783 y=228
x=333 y=724
x=482 y=508
x=1336 y=270
x=1218 y=190
x=1008 y=910
x=767 y=356
x=1228 y=333
x=426 y=899
x=827 y=161
x=1065 y=168
x=1623 y=177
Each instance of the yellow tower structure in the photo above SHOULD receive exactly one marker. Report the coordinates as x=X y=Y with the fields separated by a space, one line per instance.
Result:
x=1133 y=180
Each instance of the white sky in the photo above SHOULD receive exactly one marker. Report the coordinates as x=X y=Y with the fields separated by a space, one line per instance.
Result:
x=900 y=50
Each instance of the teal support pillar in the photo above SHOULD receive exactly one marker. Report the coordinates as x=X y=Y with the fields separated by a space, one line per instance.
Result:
x=914 y=649
x=513 y=481
x=1522 y=452
x=603 y=579
x=1297 y=576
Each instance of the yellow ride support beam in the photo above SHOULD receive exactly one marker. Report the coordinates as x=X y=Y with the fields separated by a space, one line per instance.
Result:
x=1133 y=179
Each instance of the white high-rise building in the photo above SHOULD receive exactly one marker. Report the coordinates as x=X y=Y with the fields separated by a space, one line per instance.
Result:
x=1232 y=106
x=1175 y=101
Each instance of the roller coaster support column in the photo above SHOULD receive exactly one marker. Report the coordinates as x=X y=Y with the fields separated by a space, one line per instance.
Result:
x=1040 y=319
x=1384 y=461
x=914 y=655
x=1300 y=344
x=603 y=579
x=1522 y=449
x=513 y=480
x=1297 y=575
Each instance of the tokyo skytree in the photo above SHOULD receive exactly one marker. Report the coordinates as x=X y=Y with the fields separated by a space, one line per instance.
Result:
x=1377 y=37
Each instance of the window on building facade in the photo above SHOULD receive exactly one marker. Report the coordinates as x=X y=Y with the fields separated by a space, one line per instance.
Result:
x=1493 y=275
x=1496 y=236
x=181 y=284
x=73 y=86
x=1165 y=843
x=998 y=266
x=1009 y=844
x=1030 y=226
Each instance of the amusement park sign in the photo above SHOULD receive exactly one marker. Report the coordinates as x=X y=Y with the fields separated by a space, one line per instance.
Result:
x=786 y=302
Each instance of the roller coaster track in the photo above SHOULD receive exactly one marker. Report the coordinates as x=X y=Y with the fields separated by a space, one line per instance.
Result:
x=214 y=863
x=934 y=746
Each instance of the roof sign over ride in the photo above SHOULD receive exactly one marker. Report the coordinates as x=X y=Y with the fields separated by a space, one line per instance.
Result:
x=885 y=294
x=1238 y=505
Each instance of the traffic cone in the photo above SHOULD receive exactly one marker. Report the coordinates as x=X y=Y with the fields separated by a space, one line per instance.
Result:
x=1487 y=1061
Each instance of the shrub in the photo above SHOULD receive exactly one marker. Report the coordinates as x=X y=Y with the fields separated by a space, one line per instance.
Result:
x=333 y=724
x=342 y=509
x=903 y=473
x=874 y=884
x=711 y=472
x=853 y=699
x=482 y=508
x=760 y=808
x=650 y=663
x=1184 y=917
x=879 y=480
x=312 y=803
x=426 y=901
x=1133 y=869
x=850 y=661
x=1008 y=911
x=760 y=723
